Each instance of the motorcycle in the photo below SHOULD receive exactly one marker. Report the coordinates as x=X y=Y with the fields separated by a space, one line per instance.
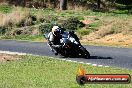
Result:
x=70 y=46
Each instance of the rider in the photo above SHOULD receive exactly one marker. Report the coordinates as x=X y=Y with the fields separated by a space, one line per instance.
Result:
x=54 y=39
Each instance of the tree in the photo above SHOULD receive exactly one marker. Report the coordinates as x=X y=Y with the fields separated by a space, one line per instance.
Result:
x=63 y=4
x=98 y=4
x=54 y=3
x=128 y=4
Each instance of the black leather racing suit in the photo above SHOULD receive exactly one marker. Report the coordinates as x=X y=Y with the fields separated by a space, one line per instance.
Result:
x=54 y=42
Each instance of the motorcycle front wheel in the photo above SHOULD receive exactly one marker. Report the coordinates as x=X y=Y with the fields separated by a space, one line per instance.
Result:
x=84 y=53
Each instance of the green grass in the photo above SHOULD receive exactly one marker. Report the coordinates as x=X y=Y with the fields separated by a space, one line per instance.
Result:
x=5 y=8
x=78 y=13
x=105 y=44
x=45 y=72
x=82 y=32
x=36 y=38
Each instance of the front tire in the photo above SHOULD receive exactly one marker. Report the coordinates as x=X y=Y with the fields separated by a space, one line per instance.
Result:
x=85 y=54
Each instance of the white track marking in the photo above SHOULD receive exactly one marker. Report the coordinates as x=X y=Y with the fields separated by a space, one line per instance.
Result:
x=18 y=53
x=100 y=65
x=94 y=64
x=74 y=61
x=13 y=53
x=81 y=62
x=106 y=66
x=69 y=60
x=63 y=59
x=88 y=63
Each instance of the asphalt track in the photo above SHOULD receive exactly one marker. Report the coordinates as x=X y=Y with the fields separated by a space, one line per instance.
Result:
x=100 y=55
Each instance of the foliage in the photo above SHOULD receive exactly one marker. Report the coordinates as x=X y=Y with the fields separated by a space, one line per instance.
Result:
x=51 y=19
x=82 y=32
x=27 y=21
x=124 y=5
x=45 y=28
x=5 y=8
x=125 y=2
x=72 y=23
x=70 y=17
x=94 y=24
x=3 y=30
x=36 y=38
x=74 y=4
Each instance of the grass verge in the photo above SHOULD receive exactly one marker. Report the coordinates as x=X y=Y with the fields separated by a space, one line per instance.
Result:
x=42 y=39
x=36 y=38
x=45 y=72
x=107 y=44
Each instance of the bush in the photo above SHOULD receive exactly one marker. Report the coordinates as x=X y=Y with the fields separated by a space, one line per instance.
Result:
x=51 y=19
x=5 y=8
x=95 y=24
x=27 y=21
x=72 y=24
x=3 y=30
x=45 y=28
x=105 y=30
x=82 y=32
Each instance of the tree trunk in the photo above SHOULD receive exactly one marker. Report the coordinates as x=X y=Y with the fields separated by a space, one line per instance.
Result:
x=25 y=1
x=55 y=3
x=63 y=4
x=98 y=4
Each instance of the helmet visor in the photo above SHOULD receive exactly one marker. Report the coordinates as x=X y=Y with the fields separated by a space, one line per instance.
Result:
x=58 y=30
